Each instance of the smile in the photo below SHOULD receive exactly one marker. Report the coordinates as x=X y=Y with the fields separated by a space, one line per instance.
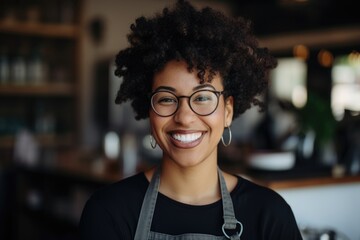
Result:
x=186 y=138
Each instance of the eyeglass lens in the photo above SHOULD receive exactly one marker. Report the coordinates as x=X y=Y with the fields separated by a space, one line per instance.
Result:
x=202 y=102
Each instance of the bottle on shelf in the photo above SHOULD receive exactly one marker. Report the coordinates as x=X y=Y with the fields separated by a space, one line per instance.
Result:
x=4 y=67
x=45 y=122
x=18 y=71
x=37 y=68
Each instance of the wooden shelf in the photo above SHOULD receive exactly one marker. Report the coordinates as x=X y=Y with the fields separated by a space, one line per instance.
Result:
x=61 y=89
x=44 y=140
x=294 y=180
x=79 y=168
x=74 y=163
x=312 y=182
x=40 y=29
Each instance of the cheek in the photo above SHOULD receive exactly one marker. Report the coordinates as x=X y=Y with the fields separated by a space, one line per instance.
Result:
x=216 y=120
x=156 y=122
x=152 y=121
x=220 y=112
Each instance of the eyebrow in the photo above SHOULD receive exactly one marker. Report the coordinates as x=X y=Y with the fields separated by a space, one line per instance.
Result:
x=206 y=85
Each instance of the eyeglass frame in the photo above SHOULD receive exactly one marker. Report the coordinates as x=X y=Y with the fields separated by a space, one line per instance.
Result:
x=217 y=94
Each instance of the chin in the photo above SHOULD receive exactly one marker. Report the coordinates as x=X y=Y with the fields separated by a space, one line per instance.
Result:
x=189 y=160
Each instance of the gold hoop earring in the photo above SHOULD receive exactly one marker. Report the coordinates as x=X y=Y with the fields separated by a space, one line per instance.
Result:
x=230 y=137
x=153 y=142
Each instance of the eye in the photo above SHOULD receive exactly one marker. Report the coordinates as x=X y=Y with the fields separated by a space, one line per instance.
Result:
x=203 y=97
x=164 y=99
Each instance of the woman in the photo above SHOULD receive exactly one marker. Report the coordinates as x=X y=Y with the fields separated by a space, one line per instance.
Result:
x=191 y=72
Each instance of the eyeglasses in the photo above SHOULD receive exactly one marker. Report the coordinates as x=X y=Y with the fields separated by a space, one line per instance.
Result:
x=203 y=102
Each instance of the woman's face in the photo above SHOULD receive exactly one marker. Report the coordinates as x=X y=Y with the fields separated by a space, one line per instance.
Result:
x=186 y=138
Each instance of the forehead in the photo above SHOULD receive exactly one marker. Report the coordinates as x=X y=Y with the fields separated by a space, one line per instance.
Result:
x=176 y=74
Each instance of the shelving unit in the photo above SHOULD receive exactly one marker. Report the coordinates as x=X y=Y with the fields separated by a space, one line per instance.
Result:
x=39 y=92
x=45 y=98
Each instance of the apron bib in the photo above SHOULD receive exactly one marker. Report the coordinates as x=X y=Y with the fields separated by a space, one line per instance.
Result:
x=143 y=231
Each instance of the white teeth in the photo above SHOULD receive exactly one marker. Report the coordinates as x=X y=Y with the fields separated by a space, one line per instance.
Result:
x=187 y=137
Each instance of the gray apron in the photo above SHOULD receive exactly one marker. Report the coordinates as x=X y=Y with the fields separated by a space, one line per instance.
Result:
x=148 y=207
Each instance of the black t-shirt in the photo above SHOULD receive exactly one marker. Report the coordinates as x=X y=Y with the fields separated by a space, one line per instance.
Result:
x=112 y=213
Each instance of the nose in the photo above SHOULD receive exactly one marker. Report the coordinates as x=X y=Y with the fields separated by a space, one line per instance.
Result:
x=184 y=113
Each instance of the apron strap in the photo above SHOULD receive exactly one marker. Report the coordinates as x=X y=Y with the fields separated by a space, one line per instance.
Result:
x=148 y=208
x=230 y=221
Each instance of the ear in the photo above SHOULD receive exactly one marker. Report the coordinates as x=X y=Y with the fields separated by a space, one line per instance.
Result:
x=229 y=110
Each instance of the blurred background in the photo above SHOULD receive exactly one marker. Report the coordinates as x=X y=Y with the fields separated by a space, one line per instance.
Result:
x=62 y=137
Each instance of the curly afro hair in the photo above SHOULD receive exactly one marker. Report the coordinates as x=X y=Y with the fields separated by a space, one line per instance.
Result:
x=208 y=41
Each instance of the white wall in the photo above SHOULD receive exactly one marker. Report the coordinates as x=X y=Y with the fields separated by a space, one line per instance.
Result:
x=333 y=206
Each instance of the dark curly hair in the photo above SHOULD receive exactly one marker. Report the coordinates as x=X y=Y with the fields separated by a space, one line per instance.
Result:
x=208 y=41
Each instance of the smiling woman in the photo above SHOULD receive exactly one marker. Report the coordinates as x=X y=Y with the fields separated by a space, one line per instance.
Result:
x=191 y=72
x=185 y=122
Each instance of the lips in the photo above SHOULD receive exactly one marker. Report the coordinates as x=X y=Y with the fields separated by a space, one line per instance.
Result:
x=186 y=139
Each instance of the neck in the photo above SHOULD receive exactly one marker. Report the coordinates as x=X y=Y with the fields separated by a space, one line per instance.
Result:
x=198 y=185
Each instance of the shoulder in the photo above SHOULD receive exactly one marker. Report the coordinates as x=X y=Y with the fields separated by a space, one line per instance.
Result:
x=263 y=207
x=127 y=189
x=260 y=200
x=114 y=209
x=258 y=194
x=122 y=198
